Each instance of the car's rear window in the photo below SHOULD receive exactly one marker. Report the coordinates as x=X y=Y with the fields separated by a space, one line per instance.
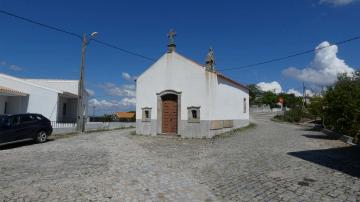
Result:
x=28 y=118
x=3 y=119
x=38 y=117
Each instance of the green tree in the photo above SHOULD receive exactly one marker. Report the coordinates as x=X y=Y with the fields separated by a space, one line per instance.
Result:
x=269 y=98
x=255 y=94
x=342 y=105
x=290 y=100
x=315 y=106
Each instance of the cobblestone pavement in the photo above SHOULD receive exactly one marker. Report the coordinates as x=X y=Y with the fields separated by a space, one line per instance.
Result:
x=272 y=162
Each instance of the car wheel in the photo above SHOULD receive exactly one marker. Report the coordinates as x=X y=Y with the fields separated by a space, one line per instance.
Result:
x=41 y=137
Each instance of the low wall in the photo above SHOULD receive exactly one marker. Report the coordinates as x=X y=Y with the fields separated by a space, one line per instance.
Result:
x=108 y=125
x=91 y=126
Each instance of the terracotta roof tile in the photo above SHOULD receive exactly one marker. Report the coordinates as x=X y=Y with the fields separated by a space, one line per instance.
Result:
x=11 y=91
x=126 y=115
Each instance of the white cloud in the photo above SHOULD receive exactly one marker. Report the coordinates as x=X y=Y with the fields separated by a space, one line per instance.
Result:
x=112 y=104
x=91 y=92
x=337 y=2
x=308 y=93
x=128 y=101
x=128 y=77
x=11 y=66
x=123 y=90
x=15 y=68
x=295 y=92
x=324 y=68
x=272 y=86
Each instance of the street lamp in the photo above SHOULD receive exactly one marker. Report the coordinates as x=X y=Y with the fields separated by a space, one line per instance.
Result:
x=80 y=119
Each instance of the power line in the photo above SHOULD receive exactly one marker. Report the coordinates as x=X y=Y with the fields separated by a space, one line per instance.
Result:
x=291 y=56
x=123 y=50
x=152 y=59
x=41 y=24
x=74 y=34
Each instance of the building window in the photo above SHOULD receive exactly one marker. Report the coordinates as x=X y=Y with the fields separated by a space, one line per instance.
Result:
x=64 y=109
x=194 y=114
x=146 y=114
x=5 y=108
x=244 y=105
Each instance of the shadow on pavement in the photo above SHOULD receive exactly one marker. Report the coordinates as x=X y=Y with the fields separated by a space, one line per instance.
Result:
x=343 y=159
x=314 y=128
x=322 y=136
x=20 y=144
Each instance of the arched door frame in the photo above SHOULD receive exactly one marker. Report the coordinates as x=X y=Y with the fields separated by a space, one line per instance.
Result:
x=160 y=109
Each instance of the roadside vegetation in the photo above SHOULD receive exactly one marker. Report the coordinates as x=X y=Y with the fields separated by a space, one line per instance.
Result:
x=337 y=109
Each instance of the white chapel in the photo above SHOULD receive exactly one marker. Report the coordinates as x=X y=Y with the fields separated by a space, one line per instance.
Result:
x=177 y=96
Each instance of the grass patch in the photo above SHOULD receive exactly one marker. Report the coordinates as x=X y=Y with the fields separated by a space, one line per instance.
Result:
x=278 y=118
x=62 y=136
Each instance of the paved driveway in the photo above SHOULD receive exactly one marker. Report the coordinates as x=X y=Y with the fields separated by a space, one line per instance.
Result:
x=272 y=162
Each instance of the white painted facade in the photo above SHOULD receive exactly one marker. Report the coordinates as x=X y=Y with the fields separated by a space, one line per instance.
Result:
x=54 y=99
x=219 y=98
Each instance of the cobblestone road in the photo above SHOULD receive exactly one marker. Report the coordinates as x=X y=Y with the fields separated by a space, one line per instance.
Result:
x=272 y=162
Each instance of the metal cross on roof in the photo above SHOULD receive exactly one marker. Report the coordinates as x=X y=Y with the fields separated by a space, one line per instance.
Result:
x=171 y=36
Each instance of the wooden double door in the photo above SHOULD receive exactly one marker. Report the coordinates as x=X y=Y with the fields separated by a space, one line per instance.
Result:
x=169 y=114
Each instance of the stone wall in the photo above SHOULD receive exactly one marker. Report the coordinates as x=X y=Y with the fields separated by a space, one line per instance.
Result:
x=91 y=126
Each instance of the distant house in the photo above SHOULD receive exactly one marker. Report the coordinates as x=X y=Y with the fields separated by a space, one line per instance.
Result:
x=177 y=96
x=125 y=116
x=55 y=99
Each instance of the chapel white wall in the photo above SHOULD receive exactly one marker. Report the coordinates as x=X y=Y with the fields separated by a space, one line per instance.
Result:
x=198 y=87
x=172 y=72
x=228 y=102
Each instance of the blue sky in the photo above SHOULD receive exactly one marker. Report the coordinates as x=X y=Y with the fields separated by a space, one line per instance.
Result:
x=241 y=32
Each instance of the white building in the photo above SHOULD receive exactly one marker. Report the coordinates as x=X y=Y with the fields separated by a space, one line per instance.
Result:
x=181 y=97
x=54 y=99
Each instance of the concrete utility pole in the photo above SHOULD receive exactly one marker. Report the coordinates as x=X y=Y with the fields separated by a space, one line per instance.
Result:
x=81 y=119
x=304 y=94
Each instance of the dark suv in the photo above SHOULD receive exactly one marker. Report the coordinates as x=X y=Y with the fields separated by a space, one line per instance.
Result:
x=24 y=127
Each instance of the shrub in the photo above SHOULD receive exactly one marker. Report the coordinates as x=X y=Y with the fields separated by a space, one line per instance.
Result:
x=293 y=115
x=342 y=105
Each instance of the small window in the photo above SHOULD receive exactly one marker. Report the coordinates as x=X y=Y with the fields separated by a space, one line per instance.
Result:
x=146 y=114
x=245 y=105
x=64 y=109
x=193 y=114
x=5 y=108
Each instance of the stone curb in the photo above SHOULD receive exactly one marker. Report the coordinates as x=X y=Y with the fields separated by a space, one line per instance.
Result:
x=346 y=139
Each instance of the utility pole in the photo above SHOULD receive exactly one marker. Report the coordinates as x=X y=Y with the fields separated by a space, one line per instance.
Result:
x=81 y=119
x=304 y=95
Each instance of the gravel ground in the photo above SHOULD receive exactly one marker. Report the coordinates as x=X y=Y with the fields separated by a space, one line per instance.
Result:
x=271 y=162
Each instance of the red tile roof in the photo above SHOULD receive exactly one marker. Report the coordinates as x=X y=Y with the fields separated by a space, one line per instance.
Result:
x=126 y=115
x=11 y=91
